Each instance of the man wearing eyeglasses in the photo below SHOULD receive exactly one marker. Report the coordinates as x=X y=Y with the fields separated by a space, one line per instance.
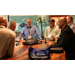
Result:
x=29 y=31
x=66 y=39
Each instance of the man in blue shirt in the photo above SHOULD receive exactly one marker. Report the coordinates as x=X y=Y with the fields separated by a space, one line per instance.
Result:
x=29 y=31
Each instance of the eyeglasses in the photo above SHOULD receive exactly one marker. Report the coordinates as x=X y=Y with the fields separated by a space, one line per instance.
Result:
x=61 y=21
x=29 y=22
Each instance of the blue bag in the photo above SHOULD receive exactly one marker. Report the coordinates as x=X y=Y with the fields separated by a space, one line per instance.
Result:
x=41 y=53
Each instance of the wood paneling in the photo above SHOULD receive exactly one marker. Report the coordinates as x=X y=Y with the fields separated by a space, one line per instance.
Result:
x=57 y=16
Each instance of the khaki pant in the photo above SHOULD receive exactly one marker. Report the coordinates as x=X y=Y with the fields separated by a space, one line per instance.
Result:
x=58 y=56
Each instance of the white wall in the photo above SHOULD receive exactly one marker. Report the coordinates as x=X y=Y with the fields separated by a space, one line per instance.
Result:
x=21 y=15
x=6 y=16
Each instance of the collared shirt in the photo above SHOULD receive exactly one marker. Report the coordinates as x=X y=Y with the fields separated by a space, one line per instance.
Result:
x=72 y=26
x=29 y=32
x=1 y=26
x=49 y=32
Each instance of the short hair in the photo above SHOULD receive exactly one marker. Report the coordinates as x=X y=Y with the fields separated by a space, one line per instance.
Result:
x=51 y=20
x=12 y=24
x=70 y=17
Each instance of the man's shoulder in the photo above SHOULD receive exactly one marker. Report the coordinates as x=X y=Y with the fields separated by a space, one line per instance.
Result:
x=9 y=32
x=24 y=27
x=67 y=29
x=47 y=27
x=73 y=25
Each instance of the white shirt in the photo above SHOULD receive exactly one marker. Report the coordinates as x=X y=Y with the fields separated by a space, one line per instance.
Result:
x=72 y=26
x=49 y=32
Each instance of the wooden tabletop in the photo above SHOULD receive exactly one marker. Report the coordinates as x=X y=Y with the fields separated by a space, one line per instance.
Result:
x=21 y=52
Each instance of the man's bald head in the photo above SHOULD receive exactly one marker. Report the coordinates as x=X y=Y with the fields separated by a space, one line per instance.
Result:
x=62 y=22
x=3 y=21
x=29 y=20
x=12 y=26
x=63 y=18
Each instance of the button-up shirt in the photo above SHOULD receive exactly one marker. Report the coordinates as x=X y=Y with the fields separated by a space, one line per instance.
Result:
x=29 y=32
x=72 y=26
x=49 y=32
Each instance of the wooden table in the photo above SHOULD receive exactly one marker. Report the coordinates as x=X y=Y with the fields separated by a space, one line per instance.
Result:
x=21 y=53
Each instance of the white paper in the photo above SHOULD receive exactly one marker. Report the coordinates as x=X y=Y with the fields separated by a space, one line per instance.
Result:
x=16 y=26
x=29 y=37
x=49 y=35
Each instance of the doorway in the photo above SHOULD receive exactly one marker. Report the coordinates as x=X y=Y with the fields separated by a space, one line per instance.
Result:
x=56 y=17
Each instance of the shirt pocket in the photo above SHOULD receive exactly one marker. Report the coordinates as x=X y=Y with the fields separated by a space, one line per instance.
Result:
x=56 y=32
x=26 y=32
x=32 y=32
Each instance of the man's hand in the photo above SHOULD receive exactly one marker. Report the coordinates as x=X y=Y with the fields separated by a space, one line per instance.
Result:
x=21 y=41
x=42 y=40
x=47 y=40
x=48 y=44
x=53 y=38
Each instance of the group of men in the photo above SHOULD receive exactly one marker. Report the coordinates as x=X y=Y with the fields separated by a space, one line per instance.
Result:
x=65 y=32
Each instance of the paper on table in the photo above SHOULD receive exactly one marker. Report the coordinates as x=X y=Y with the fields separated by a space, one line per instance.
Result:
x=29 y=37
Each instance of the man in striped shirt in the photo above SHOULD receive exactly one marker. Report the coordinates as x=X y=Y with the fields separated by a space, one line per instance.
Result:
x=70 y=23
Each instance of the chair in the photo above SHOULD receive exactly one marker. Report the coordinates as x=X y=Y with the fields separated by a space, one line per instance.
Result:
x=57 y=53
x=56 y=50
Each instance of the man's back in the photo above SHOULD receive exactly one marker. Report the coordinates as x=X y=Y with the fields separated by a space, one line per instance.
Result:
x=7 y=40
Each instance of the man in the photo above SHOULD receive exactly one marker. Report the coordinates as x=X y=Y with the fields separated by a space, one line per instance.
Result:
x=12 y=26
x=29 y=31
x=7 y=39
x=70 y=23
x=66 y=39
x=52 y=31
